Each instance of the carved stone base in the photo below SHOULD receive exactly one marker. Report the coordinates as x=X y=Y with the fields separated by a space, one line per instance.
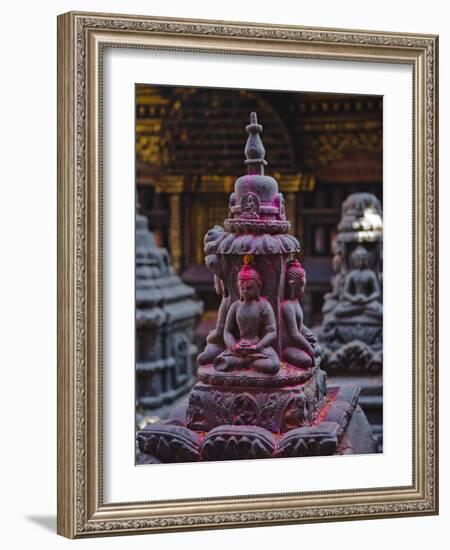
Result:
x=290 y=399
x=172 y=441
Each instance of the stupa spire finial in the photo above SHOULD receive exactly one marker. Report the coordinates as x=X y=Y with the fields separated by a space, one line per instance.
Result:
x=254 y=148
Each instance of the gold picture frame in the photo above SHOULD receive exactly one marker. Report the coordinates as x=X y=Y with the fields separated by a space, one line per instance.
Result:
x=81 y=39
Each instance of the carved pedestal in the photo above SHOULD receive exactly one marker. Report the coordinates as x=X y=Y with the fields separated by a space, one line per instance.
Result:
x=338 y=427
x=278 y=403
x=246 y=414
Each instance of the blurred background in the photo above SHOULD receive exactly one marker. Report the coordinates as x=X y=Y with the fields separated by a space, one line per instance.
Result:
x=190 y=149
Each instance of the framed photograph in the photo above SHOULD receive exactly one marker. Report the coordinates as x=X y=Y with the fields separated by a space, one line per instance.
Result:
x=247 y=287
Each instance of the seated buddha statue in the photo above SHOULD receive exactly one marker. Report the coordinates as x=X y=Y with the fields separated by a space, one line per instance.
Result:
x=250 y=329
x=297 y=341
x=361 y=296
x=214 y=341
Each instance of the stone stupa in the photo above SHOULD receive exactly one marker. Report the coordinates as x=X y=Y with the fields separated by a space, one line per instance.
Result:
x=261 y=392
x=167 y=311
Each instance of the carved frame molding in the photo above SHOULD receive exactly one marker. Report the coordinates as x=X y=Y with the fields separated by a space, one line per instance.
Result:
x=81 y=37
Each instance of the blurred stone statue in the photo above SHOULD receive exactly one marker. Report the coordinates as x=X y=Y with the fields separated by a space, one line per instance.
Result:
x=351 y=332
x=361 y=296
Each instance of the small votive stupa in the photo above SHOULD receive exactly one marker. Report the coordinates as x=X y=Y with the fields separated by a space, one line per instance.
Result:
x=261 y=392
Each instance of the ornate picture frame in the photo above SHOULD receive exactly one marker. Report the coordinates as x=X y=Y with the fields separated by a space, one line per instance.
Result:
x=82 y=38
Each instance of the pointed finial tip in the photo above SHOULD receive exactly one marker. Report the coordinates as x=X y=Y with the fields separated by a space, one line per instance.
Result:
x=254 y=127
x=254 y=148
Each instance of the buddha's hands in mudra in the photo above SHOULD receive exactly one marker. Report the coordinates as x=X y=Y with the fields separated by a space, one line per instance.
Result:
x=245 y=347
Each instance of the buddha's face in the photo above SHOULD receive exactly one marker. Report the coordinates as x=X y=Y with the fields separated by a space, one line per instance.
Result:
x=360 y=260
x=249 y=289
x=250 y=202
x=296 y=286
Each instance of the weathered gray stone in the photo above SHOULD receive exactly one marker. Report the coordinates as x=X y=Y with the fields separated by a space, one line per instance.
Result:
x=166 y=313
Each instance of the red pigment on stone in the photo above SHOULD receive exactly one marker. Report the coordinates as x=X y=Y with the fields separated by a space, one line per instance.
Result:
x=331 y=398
